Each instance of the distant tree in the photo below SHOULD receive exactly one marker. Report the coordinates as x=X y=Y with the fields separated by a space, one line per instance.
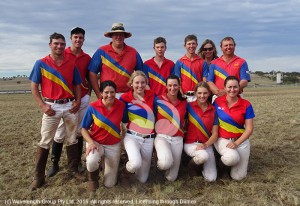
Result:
x=259 y=73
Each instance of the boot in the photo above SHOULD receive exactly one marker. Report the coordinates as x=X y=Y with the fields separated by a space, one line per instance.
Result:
x=93 y=181
x=39 y=172
x=193 y=168
x=125 y=177
x=55 y=157
x=72 y=153
x=80 y=148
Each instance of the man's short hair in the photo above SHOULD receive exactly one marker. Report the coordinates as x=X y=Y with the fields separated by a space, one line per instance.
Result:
x=190 y=37
x=77 y=30
x=228 y=38
x=56 y=36
x=160 y=40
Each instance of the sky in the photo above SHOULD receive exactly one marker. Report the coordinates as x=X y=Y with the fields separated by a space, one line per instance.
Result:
x=266 y=31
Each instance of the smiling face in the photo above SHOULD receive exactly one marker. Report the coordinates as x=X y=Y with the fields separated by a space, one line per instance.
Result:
x=232 y=88
x=118 y=39
x=139 y=84
x=77 y=40
x=191 y=46
x=202 y=95
x=208 y=50
x=173 y=87
x=57 y=46
x=228 y=47
x=108 y=95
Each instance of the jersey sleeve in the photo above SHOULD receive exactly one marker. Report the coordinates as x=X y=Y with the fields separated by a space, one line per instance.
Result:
x=204 y=70
x=139 y=63
x=177 y=69
x=216 y=119
x=76 y=77
x=36 y=74
x=249 y=112
x=244 y=72
x=211 y=74
x=87 y=119
x=96 y=62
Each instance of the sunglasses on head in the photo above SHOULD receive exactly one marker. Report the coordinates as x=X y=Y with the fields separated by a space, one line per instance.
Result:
x=208 y=49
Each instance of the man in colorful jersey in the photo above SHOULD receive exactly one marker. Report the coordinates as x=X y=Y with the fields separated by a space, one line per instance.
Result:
x=158 y=67
x=190 y=68
x=227 y=65
x=60 y=86
x=115 y=61
x=82 y=60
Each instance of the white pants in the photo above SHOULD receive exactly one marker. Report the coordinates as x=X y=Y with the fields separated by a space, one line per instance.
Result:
x=205 y=157
x=169 y=150
x=111 y=159
x=50 y=124
x=139 y=151
x=61 y=130
x=236 y=158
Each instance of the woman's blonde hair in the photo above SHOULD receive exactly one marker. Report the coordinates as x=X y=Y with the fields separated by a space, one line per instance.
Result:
x=134 y=75
x=202 y=84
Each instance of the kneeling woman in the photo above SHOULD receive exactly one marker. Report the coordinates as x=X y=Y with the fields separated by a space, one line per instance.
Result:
x=236 y=125
x=101 y=130
x=170 y=112
x=139 y=138
x=202 y=132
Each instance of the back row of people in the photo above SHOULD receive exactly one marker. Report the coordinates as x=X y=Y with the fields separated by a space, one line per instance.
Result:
x=59 y=75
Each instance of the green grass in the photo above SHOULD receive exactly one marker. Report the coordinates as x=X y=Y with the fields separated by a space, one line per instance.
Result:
x=273 y=176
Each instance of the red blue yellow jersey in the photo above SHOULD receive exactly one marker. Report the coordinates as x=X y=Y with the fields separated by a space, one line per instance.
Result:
x=170 y=117
x=200 y=123
x=219 y=70
x=190 y=71
x=232 y=120
x=140 y=113
x=158 y=75
x=103 y=123
x=56 y=81
x=114 y=66
x=82 y=62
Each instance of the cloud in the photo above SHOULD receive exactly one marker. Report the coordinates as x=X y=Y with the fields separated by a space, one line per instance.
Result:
x=266 y=31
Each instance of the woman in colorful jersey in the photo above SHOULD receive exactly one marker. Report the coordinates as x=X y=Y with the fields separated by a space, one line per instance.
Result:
x=101 y=130
x=139 y=138
x=170 y=118
x=201 y=134
x=236 y=125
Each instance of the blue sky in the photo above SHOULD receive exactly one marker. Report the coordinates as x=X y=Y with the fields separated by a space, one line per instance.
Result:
x=266 y=31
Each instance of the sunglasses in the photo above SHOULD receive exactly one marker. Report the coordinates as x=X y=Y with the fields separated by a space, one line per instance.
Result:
x=208 y=49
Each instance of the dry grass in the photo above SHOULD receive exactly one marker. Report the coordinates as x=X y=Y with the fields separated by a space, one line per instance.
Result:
x=273 y=178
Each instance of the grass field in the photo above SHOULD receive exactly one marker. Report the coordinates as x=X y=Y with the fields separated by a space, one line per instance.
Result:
x=273 y=176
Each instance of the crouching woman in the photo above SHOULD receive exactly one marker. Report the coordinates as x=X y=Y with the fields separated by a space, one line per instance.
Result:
x=236 y=125
x=101 y=130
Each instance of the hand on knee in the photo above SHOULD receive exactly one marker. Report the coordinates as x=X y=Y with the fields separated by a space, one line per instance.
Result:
x=132 y=167
x=164 y=165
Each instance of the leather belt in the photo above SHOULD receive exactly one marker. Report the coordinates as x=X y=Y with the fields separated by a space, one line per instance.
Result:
x=141 y=135
x=59 y=101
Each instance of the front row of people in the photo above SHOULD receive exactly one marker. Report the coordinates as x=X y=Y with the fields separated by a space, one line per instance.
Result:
x=161 y=122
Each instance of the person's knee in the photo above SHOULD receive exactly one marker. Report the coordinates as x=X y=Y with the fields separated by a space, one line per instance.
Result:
x=171 y=178
x=92 y=164
x=165 y=163
x=110 y=183
x=201 y=158
x=230 y=158
x=133 y=165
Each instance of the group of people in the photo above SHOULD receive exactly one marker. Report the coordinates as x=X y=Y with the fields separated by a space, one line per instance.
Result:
x=193 y=105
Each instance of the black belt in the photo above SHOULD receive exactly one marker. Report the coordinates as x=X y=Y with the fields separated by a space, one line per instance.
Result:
x=141 y=135
x=59 y=101
x=190 y=93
